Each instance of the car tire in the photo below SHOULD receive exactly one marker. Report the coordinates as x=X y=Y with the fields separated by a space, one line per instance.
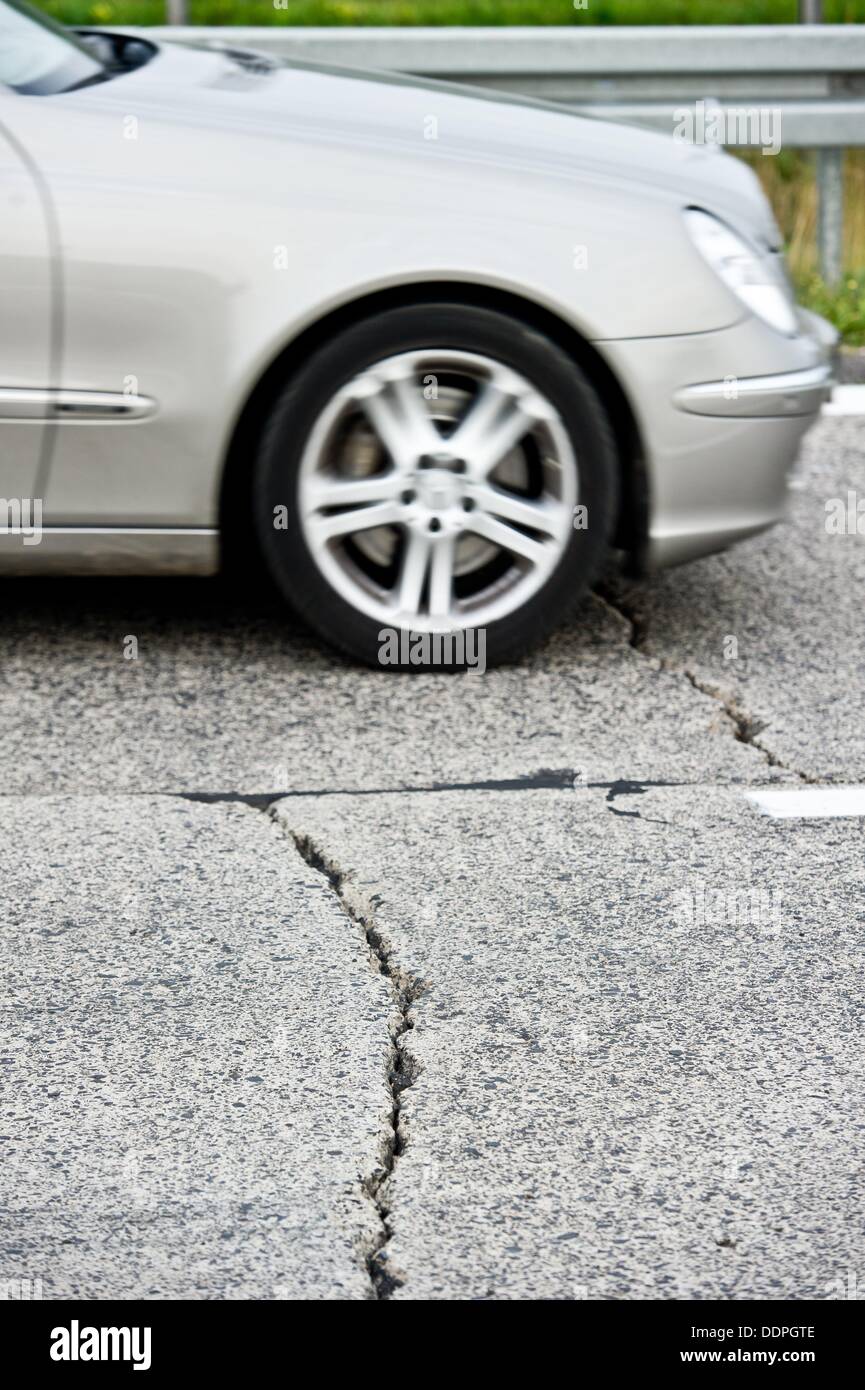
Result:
x=337 y=586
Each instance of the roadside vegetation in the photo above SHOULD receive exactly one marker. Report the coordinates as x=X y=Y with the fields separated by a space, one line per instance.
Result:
x=453 y=11
x=788 y=179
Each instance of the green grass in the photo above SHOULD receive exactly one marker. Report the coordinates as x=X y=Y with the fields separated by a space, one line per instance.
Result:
x=843 y=305
x=452 y=11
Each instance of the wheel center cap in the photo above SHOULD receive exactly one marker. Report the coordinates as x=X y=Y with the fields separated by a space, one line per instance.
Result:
x=439 y=489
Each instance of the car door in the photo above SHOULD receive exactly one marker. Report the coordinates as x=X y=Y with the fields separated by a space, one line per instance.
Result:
x=26 y=320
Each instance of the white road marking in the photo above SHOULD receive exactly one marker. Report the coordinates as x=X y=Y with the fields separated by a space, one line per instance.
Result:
x=810 y=803
x=846 y=400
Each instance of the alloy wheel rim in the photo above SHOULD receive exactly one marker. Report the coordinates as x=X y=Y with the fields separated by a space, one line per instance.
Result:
x=437 y=517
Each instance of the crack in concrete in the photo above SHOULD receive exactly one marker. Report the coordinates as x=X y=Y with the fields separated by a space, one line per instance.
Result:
x=637 y=622
x=405 y=989
x=746 y=728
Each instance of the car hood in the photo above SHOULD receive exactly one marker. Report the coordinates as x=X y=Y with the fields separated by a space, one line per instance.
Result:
x=374 y=111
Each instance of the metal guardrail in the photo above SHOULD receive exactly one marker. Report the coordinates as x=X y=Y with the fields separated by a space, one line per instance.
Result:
x=811 y=79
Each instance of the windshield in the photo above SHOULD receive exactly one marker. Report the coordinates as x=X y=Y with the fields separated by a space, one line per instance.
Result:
x=37 y=57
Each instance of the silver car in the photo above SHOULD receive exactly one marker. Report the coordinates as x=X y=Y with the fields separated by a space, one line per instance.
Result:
x=428 y=351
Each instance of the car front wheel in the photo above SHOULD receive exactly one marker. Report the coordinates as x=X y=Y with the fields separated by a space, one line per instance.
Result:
x=436 y=470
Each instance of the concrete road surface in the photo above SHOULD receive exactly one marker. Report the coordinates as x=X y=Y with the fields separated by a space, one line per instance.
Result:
x=325 y=983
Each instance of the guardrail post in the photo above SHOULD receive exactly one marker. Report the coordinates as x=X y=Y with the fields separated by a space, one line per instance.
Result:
x=176 y=11
x=830 y=213
x=830 y=184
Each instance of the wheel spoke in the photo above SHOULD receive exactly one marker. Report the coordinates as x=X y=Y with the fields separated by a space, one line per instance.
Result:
x=395 y=409
x=413 y=571
x=507 y=537
x=547 y=516
x=494 y=424
x=327 y=528
x=423 y=432
x=328 y=491
x=441 y=576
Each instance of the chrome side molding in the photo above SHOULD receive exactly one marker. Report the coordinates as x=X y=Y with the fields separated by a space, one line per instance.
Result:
x=25 y=404
x=786 y=393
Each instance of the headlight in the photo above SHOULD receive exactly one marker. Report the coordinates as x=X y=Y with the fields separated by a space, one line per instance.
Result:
x=756 y=279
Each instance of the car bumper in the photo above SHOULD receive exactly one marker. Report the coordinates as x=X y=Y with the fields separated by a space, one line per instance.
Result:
x=721 y=417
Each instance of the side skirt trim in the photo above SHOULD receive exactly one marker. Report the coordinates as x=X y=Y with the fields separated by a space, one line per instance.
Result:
x=127 y=550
